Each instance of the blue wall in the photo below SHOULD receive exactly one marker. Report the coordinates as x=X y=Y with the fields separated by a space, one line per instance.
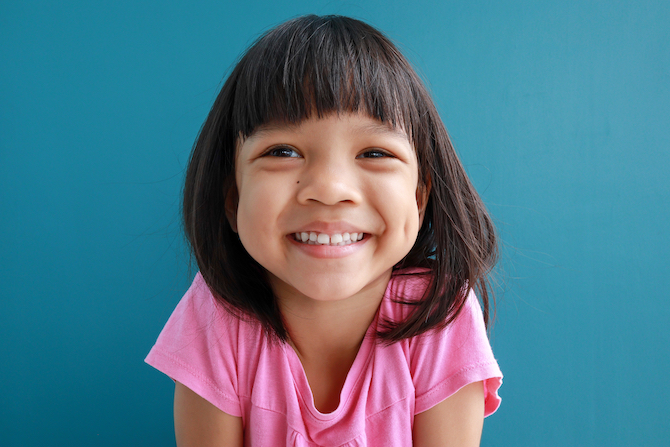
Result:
x=560 y=110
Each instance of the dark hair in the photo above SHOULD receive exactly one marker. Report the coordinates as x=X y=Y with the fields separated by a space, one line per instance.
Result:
x=322 y=65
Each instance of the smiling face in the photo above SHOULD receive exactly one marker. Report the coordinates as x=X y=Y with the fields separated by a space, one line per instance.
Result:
x=327 y=206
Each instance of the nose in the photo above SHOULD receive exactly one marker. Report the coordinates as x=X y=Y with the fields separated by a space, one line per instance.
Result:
x=329 y=182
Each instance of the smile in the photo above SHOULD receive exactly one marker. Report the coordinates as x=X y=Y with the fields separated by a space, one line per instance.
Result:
x=314 y=238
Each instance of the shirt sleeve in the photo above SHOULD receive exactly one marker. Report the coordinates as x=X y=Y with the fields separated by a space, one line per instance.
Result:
x=197 y=347
x=443 y=362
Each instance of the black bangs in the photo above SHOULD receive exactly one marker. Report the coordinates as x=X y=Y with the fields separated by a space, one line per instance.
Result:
x=320 y=65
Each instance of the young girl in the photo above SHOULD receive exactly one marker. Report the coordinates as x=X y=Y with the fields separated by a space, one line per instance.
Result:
x=339 y=241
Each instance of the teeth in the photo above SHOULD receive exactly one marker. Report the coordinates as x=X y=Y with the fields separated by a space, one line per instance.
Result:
x=314 y=238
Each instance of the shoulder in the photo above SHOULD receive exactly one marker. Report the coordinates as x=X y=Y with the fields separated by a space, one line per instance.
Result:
x=442 y=361
x=465 y=337
x=206 y=348
x=412 y=280
x=405 y=287
x=198 y=301
x=200 y=314
x=409 y=286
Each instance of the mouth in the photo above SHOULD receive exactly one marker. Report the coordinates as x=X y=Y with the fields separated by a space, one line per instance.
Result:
x=337 y=239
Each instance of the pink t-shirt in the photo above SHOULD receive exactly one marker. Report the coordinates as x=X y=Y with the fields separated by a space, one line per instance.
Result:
x=233 y=365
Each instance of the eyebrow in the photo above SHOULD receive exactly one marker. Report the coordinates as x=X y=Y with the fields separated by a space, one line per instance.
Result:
x=271 y=127
x=369 y=128
x=384 y=129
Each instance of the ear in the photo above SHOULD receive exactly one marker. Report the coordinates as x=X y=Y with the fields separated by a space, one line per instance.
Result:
x=232 y=200
x=422 y=195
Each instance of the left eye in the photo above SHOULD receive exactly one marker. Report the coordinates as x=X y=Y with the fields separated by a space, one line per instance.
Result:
x=283 y=151
x=374 y=153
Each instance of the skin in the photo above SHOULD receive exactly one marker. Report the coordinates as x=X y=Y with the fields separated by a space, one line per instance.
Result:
x=456 y=421
x=198 y=423
x=342 y=173
x=339 y=174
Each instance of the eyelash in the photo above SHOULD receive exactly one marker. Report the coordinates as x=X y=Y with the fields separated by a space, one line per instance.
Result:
x=289 y=152
x=284 y=150
x=381 y=154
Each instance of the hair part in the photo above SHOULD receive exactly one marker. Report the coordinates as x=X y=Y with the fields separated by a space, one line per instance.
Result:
x=315 y=65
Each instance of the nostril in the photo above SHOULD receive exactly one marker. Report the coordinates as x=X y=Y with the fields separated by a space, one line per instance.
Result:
x=326 y=187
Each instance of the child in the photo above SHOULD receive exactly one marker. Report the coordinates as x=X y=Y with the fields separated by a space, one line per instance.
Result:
x=338 y=240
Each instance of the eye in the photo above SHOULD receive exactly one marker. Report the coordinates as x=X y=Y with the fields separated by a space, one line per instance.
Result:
x=374 y=153
x=282 y=152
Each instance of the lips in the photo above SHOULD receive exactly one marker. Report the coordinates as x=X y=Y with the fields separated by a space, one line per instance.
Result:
x=336 y=239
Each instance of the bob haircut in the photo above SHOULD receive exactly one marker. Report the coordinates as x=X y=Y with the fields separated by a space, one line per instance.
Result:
x=323 y=65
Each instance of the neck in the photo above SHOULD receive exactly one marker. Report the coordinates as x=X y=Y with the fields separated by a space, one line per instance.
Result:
x=340 y=325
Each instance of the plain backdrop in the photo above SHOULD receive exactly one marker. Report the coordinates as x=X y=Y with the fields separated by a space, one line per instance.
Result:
x=559 y=110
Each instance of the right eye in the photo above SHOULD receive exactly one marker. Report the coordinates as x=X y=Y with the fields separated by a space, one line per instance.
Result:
x=282 y=151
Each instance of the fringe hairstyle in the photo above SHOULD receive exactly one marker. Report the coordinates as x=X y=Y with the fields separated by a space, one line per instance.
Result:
x=323 y=65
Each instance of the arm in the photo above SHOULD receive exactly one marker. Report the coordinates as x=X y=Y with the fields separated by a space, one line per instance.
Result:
x=456 y=421
x=199 y=423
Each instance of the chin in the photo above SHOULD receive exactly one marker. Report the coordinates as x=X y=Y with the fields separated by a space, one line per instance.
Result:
x=328 y=293
x=339 y=287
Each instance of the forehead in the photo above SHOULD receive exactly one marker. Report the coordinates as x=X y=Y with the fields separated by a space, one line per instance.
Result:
x=358 y=123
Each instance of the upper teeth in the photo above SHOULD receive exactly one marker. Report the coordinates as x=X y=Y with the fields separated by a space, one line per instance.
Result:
x=328 y=239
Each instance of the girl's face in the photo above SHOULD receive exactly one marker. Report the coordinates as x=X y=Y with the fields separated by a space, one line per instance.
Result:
x=327 y=206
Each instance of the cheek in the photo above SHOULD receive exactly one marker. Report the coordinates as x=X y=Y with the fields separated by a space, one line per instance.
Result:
x=258 y=214
x=400 y=201
x=412 y=222
x=412 y=219
x=253 y=211
x=251 y=230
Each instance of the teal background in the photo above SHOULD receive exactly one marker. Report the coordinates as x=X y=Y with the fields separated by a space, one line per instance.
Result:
x=559 y=109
